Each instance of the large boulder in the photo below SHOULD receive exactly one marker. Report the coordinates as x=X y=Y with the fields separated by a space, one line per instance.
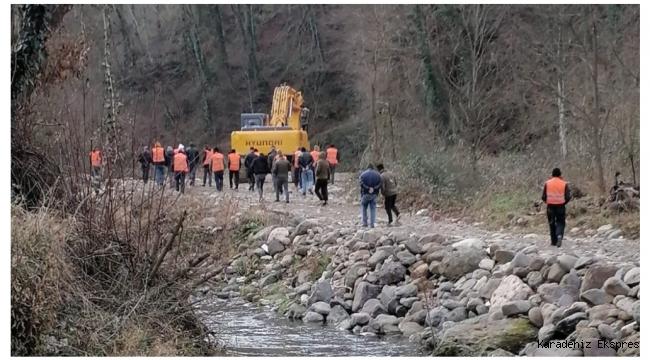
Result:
x=363 y=292
x=461 y=261
x=511 y=288
x=280 y=234
x=378 y=257
x=391 y=272
x=304 y=227
x=596 y=276
x=337 y=315
x=476 y=336
x=322 y=292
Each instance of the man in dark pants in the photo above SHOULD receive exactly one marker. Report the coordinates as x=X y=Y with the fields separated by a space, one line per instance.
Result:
x=281 y=168
x=207 y=155
x=248 y=160
x=389 y=189
x=234 y=164
x=145 y=159
x=322 y=174
x=556 y=195
x=192 y=153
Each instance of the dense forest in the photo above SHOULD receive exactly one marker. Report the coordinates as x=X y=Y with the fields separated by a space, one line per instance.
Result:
x=448 y=91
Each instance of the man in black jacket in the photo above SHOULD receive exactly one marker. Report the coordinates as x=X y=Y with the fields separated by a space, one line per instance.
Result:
x=248 y=160
x=306 y=163
x=193 y=160
x=260 y=167
x=145 y=159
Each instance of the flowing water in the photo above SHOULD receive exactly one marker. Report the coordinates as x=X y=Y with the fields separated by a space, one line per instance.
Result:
x=246 y=330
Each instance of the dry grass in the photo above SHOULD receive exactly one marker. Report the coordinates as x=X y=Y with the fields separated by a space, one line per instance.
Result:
x=498 y=190
x=118 y=286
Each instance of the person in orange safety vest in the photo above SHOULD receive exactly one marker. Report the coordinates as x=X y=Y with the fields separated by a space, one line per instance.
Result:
x=207 y=155
x=333 y=157
x=217 y=166
x=556 y=195
x=234 y=165
x=181 y=168
x=96 y=166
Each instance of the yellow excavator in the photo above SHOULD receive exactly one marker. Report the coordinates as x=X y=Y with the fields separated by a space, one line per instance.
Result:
x=285 y=128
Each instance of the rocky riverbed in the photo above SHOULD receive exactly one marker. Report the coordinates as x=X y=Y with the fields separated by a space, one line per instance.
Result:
x=445 y=286
x=451 y=295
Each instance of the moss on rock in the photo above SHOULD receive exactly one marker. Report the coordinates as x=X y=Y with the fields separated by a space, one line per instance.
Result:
x=478 y=336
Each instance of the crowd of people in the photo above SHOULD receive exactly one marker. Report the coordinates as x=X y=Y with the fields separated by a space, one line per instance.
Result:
x=310 y=171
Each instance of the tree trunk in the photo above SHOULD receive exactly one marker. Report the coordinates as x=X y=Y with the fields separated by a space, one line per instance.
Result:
x=596 y=111
x=221 y=41
x=560 y=92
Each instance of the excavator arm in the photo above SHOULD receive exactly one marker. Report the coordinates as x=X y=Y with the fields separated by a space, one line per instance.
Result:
x=286 y=107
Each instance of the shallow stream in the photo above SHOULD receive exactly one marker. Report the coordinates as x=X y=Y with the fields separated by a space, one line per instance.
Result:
x=247 y=330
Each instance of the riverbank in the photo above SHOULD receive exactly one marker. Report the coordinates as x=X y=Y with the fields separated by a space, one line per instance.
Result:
x=440 y=290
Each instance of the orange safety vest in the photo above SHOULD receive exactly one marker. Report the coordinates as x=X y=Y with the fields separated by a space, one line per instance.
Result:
x=555 y=188
x=295 y=158
x=331 y=156
x=208 y=156
x=95 y=158
x=217 y=162
x=233 y=162
x=314 y=155
x=180 y=163
x=158 y=154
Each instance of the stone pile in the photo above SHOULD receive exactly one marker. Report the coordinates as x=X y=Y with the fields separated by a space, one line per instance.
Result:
x=459 y=297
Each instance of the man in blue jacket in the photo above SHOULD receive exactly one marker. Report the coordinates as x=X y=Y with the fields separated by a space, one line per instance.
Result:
x=370 y=183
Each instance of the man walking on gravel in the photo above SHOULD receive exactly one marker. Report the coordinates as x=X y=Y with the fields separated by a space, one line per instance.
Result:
x=145 y=159
x=306 y=163
x=281 y=169
x=180 y=170
x=556 y=195
x=192 y=153
x=333 y=157
x=248 y=160
x=322 y=174
x=370 y=183
x=389 y=190
x=260 y=167
x=207 y=175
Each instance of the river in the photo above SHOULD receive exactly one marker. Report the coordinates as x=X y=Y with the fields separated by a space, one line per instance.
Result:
x=248 y=330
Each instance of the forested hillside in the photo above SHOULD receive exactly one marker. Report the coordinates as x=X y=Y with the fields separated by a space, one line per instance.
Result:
x=454 y=92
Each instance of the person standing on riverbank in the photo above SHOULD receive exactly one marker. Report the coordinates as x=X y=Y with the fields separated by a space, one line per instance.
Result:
x=248 y=161
x=159 y=163
x=260 y=167
x=192 y=153
x=306 y=163
x=295 y=176
x=207 y=155
x=389 y=190
x=217 y=166
x=280 y=170
x=370 y=184
x=234 y=164
x=145 y=161
x=322 y=174
x=333 y=157
x=556 y=195
x=96 y=168
x=180 y=170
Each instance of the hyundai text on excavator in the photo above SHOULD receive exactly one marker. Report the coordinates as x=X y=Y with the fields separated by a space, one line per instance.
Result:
x=286 y=128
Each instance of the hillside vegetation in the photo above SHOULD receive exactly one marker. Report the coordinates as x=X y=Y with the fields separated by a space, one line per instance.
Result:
x=471 y=105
